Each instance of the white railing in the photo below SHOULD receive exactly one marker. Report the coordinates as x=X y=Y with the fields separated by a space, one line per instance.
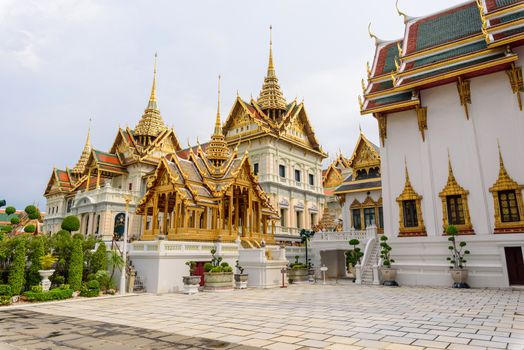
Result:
x=361 y=235
x=181 y=248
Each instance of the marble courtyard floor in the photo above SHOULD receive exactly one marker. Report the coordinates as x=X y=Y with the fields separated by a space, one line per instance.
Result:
x=341 y=316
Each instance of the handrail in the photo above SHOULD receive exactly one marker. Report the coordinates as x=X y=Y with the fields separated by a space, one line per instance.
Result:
x=367 y=252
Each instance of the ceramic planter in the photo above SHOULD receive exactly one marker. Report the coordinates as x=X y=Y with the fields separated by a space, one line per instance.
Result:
x=388 y=276
x=241 y=281
x=214 y=281
x=191 y=284
x=297 y=275
x=460 y=276
x=46 y=283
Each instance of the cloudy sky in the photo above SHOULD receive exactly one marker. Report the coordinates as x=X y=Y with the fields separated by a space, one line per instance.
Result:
x=65 y=61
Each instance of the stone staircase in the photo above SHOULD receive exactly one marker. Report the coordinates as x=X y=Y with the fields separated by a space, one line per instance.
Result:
x=367 y=269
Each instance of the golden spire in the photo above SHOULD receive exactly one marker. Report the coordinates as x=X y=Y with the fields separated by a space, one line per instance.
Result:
x=151 y=124
x=217 y=152
x=152 y=97
x=502 y=171
x=218 y=124
x=270 y=96
x=84 y=157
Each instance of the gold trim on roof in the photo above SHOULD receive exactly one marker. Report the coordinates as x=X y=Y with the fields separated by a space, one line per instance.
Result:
x=515 y=79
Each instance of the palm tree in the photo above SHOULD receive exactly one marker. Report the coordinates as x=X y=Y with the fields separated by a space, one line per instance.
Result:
x=115 y=261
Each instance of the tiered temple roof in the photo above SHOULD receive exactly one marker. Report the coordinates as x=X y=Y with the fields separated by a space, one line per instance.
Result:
x=272 y=115
x=464 y=41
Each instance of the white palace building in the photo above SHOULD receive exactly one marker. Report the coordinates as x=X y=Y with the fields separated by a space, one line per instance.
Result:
x=447 y=98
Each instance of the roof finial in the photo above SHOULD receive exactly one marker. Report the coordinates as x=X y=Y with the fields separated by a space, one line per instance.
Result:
x=402 y=14
x=152 y=98
x=373 y=36
x=218 y=124
x=270 y=67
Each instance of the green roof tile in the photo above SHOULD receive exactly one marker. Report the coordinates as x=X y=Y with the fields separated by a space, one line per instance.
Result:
x=451 y=53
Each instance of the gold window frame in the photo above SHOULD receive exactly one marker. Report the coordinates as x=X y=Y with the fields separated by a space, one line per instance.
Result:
x=452 y=188
x=506 y=183
x=409 y=194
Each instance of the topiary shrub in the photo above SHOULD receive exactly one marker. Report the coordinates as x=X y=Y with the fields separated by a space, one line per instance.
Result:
x=99 y=258
x=30 y=229
x=208 y=266
x=76 y=265
x=90 y=289
x=37 y=252
x=71 y=223
x=6 y=228
x=17 y=267
x=53 y=294
x=30 y=209
x=15 y=220
x=10 y=210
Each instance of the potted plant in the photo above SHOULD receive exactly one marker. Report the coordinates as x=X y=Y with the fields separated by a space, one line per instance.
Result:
x=218 y=275
x=191 y=282
x=353 y=257
x=458 y=270
x=388 y=273
x=297 y=272
x=47 y=262
x=240 y=277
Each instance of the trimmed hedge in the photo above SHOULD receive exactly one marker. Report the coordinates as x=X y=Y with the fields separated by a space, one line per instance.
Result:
x=71 y=223
x=53 y=294
x=30 y=229
x=99 y=258
x=17 y=269
x=5 y=300
x=76 y=265
x=90 y=293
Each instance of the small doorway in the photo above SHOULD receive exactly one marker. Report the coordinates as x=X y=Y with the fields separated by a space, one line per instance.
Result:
x=515 y=264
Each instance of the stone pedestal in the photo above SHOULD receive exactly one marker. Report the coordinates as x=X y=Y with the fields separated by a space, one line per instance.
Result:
x=262 y=272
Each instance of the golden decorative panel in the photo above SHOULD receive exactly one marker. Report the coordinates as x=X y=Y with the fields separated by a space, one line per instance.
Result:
x=506 y=183
x=422 y=118
x=382 y=127
x=452 y=188
x=464 y=92
x=409 y=194
x=516 y=81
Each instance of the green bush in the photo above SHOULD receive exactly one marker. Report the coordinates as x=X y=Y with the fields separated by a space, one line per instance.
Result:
x=385 y=252
x=30 y=209
x=99 y=258
x=227 y=269
x=224 y=264
x=5 y=289
x=57 y=279
x=10 y=210
x=36 y=289
x=37 y=252
x=35 y=215
x=71 y=223
x=64 y=286
x=216 y=269
x=7 y=228
x=15 y=220
x=103 y=278
x=5 y=300
x=93 y=284
x=30 y=229
x=86 y=292
x=208 y=266
x=76 y=265
x=17 y=267
x=53 y=294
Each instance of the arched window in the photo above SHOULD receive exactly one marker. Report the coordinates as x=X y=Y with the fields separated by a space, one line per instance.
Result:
x=120 y=220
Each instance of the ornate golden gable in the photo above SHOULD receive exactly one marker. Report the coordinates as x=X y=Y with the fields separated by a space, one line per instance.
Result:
x=365 y=156
x=409 y=194
x=452 y=188
x=506 y=183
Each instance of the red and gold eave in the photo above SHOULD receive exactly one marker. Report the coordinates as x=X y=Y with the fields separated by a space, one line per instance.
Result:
x=401 y=68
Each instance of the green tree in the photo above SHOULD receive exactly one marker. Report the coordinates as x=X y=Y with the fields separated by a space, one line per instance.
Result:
x=15 y=220
x=30 y=229
x=10 y=210
x=71 y=223
x=76 y=265
x=37 y=251
x=99 y=259
x=115 y=261
x=17 y=267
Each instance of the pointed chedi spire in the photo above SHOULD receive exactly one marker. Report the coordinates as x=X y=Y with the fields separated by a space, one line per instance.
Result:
x=217 y=151
x=271 y=99
x=151 y=124
x=81 y=164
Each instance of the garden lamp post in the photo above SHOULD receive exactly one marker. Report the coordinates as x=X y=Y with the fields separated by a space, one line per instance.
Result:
x=124 y=249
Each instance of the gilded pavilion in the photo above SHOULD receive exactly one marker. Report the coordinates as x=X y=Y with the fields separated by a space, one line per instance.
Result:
x=209 y=195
